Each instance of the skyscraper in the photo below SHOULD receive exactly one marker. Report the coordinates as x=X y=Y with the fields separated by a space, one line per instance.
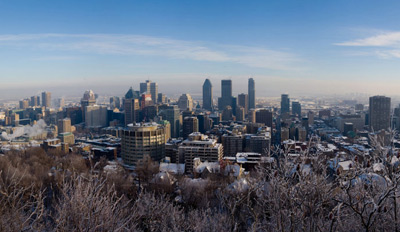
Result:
x=131 y=106
x=151 y=88
x=190 y=125
x=35 y=101
x=207 y=95
x=296 y=108
x=64 y=125
x=88 y=99
x=171 y=114
x=139 y=140
x=264 y=116
x=243 y=102
x=285 y=104
x=252 y=94
x=379 y=113
x=185 y=102
x=226 y=98
x=46 y=99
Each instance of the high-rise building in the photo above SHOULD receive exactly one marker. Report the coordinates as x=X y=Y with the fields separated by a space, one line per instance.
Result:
x=131 y=110
x=115 y=102
x=151 y=88
x=46 y=99
x=379 y=113
x=240 y=115
x=189 y=125
x=199 y=146
x=96 y=116
x=23 y=104
x=139 y=140
x=296 y=108
x=226 y=98
x=131 y=106
x=285 y=104
x=161 y=99
x=60 y=102
x=232 y=144
x=227 y=114
x=88 y=99
x=171 y=114
x=185 y=102
x=252 y=94
x=264 y=116
x=35 y=101
x=64 y=125
x=207 y=95
x=243 y=102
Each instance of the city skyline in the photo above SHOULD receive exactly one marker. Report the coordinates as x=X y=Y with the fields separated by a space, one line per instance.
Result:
x=295 y=47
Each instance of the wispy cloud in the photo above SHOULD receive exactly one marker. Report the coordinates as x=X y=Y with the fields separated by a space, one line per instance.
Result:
x=383 y=45
x=382 y=40
x=116 y=44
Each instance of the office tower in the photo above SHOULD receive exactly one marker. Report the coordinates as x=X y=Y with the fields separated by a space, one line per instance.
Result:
x=252 y=94
x=64 y=125
x=161 y=99
x=202 y=147
x=46 y=99
x=285 y=104
x=65 y=132
x=154 y=92
x=96 y=116
x=151 y=88
x=23 y=104
x=35 y=101
x=145 y=87
x=232 y=144
x=347 y=127
x=207 y=95
x=115 y=102
x=226 y=95
x=131 y=110
x=171 y=114
x=243 y=101
x=310 y=115
x=139 y=140
x=185 y=102
x=301 y=134
x=252 y=116
x=240 y=115
x=88 y=99
x=379 y=113
x=296 y=109
x=201 y=117
x=60 y=102
x=264 y=116
x=132 y=94
x=227 y=114
x=284 y=134
x=149 y=113
x=190 y=125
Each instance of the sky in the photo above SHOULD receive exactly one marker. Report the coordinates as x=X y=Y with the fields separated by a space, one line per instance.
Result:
x=296 y=47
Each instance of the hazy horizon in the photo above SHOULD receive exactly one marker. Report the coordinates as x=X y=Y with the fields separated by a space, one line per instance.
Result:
x=300 y=48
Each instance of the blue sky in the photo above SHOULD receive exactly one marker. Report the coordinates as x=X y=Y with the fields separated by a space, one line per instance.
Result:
x=299 y=47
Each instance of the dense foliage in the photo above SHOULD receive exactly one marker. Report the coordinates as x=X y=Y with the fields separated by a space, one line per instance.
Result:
x=42 y=191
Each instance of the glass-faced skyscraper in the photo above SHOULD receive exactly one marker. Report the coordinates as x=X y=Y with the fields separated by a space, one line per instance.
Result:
x=207 y=95
x=285 y=104
x=379 y=113
x=252 y=94
x=150 y=87
x=226 y=98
